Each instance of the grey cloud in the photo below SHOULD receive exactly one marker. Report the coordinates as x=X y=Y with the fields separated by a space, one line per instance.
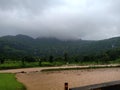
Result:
x=63 y=19
x=28 y=5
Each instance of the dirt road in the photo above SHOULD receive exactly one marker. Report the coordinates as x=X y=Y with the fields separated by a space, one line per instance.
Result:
x=27 y=70
x=41 y=68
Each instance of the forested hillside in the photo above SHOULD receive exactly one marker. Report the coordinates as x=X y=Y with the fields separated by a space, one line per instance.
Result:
x=25 y=45
x=18 y=51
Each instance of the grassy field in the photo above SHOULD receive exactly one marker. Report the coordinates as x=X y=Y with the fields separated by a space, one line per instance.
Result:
x=15 y=65
x=18 y=64
x=9 y=82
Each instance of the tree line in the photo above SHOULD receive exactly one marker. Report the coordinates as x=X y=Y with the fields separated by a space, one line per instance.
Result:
x=103 y=57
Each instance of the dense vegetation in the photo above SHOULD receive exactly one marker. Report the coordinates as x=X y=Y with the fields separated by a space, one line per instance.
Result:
x=24 y=51
x=8 y=82
x=15 y=46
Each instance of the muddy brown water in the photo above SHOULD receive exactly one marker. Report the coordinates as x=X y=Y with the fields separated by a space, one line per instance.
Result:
x=75 y=78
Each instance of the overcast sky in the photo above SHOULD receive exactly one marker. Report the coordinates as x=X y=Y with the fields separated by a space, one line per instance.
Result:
x=63 y=19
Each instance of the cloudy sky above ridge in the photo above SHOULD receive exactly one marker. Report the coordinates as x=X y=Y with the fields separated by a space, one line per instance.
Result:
x=63 y=19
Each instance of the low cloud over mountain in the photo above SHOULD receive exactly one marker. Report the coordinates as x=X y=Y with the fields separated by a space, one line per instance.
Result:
x=63 y=19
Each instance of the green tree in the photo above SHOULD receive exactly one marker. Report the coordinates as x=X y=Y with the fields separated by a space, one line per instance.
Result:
x=39 y=61
x=51 y=58
x=29 y=59
x=104 y=58
x=66 y=57
x=23 y=62
x=2 y=60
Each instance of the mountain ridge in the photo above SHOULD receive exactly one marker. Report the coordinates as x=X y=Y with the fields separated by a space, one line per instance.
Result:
x=26 y=45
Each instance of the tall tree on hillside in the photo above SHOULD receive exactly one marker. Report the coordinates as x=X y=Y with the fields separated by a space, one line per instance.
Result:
x=66 y=57
x=2 y=60
x=23 y=61
x=51 y=58
x=29 y=59
x=39 y=61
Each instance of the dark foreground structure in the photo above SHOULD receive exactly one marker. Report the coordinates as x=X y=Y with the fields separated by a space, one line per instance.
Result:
x=104 y=86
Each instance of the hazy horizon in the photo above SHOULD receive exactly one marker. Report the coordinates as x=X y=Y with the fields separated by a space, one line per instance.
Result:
x=61 y=19
x=57 y=38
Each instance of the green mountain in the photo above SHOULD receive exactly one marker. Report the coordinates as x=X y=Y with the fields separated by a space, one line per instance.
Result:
x=20 y=45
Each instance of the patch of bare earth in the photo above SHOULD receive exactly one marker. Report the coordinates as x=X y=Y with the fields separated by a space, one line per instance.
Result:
x=75 y=78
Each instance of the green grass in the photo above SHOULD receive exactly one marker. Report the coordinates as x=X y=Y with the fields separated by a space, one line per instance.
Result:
x=117 y=61
x=9 y=82
x=10 y=65
x=18 y=64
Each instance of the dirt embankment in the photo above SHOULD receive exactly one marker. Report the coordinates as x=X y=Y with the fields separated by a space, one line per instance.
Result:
x=75 y=78
x=42 y=68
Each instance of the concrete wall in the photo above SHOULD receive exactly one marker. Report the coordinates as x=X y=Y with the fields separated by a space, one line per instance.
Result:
x=104 y=86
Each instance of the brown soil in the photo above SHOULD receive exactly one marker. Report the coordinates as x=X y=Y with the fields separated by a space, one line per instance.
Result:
x=75 y=78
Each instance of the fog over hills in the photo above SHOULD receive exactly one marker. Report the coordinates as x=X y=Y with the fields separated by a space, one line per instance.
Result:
x=62 y=19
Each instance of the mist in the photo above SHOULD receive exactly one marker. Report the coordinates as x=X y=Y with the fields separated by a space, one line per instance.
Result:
x=62 y=19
